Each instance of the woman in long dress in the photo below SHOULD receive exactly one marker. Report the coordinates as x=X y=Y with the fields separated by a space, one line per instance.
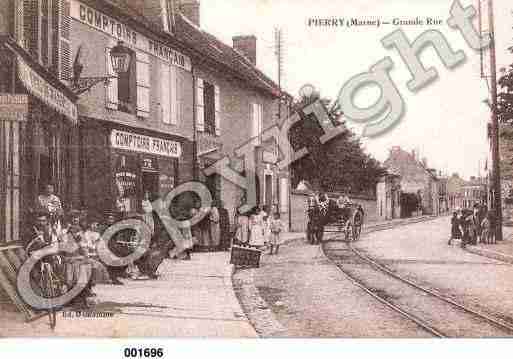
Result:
x=215 y=233
x=242 y=228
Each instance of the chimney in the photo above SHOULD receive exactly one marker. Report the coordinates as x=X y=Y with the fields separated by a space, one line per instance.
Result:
x=246 y=45
x=191 y=10
x=424 y=161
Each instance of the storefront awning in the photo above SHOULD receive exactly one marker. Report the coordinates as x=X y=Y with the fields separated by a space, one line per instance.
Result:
x=41 y=84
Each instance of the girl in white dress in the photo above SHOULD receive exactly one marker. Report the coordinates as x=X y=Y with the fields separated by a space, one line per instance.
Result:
x=256 y=230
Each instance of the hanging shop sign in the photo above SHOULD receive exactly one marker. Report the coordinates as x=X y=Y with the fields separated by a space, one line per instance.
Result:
x=48 y=94
x=207 y=144
x=149 y=164
x=145 y=144
x=13 y=106
x=120 y=31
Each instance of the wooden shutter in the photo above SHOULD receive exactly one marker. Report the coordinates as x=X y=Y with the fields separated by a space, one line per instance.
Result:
x=31 y=26
x=45 y=33
x=200 y=106
x=111 y=90
x=217 y=110
x=256 y=121
x=143 y=84
x=65 y=58
x=164 y=93
x=55 y=36
x=19 y=32
x=174 y=94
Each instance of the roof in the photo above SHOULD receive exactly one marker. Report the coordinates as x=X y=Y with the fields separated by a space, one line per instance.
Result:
x=223 y=54
x=406 y=165
x=204 y=45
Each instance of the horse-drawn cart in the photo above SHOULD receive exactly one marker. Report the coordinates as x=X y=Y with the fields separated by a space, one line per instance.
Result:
x=329 y=215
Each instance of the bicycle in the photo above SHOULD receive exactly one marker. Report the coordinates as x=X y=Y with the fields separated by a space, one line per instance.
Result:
x=51 y=287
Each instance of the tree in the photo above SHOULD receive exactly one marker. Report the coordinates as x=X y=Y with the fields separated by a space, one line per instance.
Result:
x=338 y=165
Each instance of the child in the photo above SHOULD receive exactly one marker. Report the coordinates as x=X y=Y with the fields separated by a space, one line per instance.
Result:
x=488 y=235
x=276 y=229
x=256 y=231
x=455 y=227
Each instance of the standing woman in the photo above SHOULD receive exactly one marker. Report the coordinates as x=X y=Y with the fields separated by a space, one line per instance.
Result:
x=215 y=230
x=242 y=228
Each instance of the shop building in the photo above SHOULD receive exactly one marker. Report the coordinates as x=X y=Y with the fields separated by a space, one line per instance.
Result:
x=136 y=132
x=38 y=113
x=234 y=102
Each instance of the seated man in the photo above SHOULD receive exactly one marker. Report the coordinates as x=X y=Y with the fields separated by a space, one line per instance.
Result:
x=344 y=204
x=65 y=266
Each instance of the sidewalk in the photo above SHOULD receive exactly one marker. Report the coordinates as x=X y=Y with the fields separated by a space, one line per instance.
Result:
x=190 y=299
x=502 y=251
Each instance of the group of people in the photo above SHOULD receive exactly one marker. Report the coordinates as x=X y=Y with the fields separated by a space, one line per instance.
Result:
x=212 y=233
x=319 y=212
x=473 y=226
x=259 y=229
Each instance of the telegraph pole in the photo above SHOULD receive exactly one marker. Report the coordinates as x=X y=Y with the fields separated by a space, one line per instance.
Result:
x=496 y=174
x=278 y=50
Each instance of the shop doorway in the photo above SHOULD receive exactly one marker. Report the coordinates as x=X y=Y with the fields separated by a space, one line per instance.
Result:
x=150 y=182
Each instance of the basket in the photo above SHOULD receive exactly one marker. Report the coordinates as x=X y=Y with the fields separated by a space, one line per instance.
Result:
x=245 y=256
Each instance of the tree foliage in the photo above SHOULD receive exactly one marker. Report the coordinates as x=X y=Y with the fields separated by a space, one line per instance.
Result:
x=505 y=95
x=337 y=165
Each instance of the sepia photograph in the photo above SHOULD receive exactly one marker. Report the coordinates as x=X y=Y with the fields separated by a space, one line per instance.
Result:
x=249 y=169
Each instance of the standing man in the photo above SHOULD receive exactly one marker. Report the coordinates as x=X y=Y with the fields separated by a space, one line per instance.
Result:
x=475 y=225
x=50 y=202
x=224 y=225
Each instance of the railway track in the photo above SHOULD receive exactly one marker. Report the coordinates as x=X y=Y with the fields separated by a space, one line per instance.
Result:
x=438 y=315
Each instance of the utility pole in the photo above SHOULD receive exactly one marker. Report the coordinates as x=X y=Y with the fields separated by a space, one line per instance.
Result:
x=496 y=174
x=278 y=51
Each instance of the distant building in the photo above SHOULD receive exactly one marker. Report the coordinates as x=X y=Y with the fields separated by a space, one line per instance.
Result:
x=455 y=191
x=416 y=178
x=474 y=192
x=388 y=197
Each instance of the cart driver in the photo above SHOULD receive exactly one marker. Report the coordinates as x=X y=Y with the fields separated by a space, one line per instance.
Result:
x=344 y=203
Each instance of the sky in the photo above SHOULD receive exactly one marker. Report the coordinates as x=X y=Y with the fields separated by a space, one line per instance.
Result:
x=444 y=122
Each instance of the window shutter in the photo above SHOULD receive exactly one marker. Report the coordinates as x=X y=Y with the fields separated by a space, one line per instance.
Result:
x=45 y=34
x=111 y=90
x=256 y=122
x=31 y=26
x=174 y=94
x=218 y=110
x=165 y=93
x=55 y=36
x=143 y=84
x=200 y=106
x=65 y=41
x=18 y=23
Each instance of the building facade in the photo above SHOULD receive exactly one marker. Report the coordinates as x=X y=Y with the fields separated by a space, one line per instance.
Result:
x=136 y=131
x=105 y=139
x=388 y=196
x=38 y=114
x=416 y=178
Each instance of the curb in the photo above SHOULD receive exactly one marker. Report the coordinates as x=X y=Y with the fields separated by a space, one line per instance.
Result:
x=490 y=254
x=257 y=311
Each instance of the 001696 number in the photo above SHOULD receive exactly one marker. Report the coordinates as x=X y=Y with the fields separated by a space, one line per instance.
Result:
x=143 y=352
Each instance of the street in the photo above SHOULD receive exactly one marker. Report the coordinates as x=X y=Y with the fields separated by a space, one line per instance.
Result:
x=310 y=296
